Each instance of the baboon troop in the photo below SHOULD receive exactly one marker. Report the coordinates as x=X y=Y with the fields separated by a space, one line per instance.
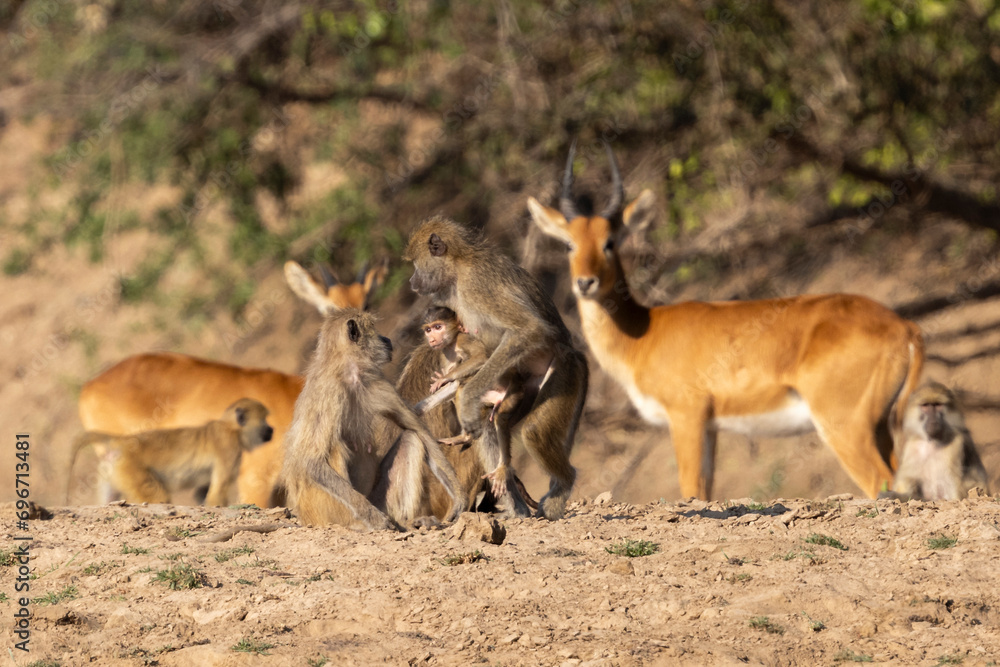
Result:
x=497 y=367
x=148 y=466
x=938 y=460
x=336 y=470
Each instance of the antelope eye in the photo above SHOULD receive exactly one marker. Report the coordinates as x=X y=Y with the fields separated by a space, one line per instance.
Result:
x=609 y=245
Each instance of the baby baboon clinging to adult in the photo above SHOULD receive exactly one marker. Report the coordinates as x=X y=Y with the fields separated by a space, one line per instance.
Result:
x=938 y=458
x=333 y=471
x=149 y=466
x=462 y=355
x=503 y=306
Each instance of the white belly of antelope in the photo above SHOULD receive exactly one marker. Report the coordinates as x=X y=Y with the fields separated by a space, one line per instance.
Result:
x=794 y=418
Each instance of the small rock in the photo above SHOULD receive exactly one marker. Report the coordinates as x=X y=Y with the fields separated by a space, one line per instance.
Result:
x=478 y=528
x=621 y=566
x=867 y=629
x=510 y=639
x=603 y=499
x=840 y=496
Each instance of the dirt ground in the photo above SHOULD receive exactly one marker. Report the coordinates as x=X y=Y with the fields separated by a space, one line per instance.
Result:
x=787 y=582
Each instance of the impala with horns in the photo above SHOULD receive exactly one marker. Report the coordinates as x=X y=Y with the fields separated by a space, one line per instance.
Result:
x=162 y=390
x=839 y=364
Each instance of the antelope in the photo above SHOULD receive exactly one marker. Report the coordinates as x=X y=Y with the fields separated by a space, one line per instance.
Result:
x=160 y=390
x=840 y=364
x=331 y=296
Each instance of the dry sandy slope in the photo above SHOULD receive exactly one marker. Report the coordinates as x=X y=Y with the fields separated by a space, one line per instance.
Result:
x=550 y=594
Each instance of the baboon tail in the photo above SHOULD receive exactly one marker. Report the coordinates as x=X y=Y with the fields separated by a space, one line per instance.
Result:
x=914 y=370
x=85 y=439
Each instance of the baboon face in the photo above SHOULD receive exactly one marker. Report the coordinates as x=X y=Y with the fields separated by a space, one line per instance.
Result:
x=439 y=334
x=251 y=417
x=432 y=249
x=354 y=329
x=935 y=405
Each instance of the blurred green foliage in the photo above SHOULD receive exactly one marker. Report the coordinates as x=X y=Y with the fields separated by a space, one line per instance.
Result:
x=819 y=104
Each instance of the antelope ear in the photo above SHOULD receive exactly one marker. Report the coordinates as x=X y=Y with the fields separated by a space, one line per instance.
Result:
x=307 y=288
x=550 y=221
x=436 y=245
x=640 y=212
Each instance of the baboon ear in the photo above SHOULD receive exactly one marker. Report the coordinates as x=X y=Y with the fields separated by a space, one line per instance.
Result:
x=241 y=416
x=436 y=245
x=353 y=331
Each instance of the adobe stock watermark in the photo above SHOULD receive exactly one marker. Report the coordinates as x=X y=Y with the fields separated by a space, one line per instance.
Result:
x=900 y=190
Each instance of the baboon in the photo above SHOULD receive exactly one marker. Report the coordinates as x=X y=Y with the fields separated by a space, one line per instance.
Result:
x=150 y=465
x=169 y=390
x=938 y=460
x=462 y=355
x=503 y=306
x=334 y=471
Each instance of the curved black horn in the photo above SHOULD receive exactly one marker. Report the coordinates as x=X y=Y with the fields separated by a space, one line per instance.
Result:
x=566 y=205
x=614 y=206
x=328 y=279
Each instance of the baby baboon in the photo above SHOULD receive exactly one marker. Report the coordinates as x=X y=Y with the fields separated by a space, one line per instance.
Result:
x=332 y=471
x=503 y=306
x=938 y=459
x=462 y=355
x=150 y=465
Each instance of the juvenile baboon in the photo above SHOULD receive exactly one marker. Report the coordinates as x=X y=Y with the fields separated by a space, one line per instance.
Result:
x=462 y=355
x=938 y=458
x=162 y=390
x=503 y=306
x=169 y=390
x=150 y=465
x=334 y=471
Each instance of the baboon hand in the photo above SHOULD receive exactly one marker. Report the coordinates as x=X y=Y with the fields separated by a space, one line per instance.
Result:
x=439 y=381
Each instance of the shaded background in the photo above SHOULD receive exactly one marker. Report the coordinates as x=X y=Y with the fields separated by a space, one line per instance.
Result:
x=160 y=161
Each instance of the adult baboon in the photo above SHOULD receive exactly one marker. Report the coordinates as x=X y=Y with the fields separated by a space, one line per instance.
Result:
x=502 y=305
x=938 y=460
x=334 y=470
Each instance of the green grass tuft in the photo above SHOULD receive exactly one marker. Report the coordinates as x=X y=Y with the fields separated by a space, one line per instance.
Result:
x=826 y=541
x=766 y=624
x=180 y=577
x=248 y=645
x=633 y=548
x=941 y=542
